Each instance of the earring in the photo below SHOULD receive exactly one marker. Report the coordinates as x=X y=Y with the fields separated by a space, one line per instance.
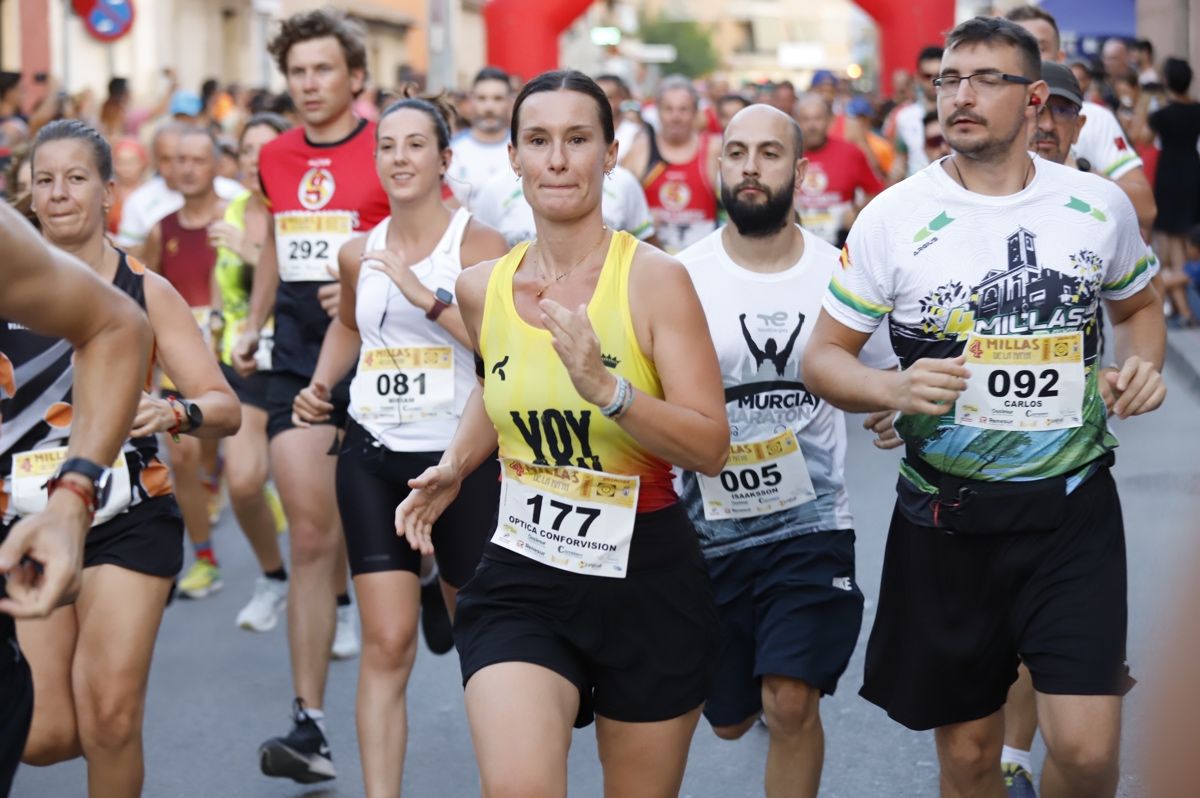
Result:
x=608 y=174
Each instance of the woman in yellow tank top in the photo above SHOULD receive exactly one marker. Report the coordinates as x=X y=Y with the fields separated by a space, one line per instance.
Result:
x=597 y=374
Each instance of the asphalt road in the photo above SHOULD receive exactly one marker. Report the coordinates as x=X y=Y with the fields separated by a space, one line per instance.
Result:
x=216 y=692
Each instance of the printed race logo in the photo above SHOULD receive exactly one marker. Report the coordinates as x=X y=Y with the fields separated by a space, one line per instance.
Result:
x=675 y=196
x=316 y=188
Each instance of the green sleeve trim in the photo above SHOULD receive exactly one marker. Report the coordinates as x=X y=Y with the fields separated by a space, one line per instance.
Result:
x=1139 y=268
x=855 y=302
x=1109 y=171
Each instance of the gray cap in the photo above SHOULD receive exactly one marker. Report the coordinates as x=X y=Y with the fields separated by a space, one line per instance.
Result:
x=1062 y=82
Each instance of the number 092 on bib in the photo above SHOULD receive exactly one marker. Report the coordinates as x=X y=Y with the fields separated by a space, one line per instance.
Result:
x=1023 y=382
x=568 y=518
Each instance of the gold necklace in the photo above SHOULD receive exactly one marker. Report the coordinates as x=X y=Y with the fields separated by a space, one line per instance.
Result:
x=561 y=275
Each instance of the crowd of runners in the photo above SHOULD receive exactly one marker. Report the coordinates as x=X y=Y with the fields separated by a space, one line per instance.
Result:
x=565 y=389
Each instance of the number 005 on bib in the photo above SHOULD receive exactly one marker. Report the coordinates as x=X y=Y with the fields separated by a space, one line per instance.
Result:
x=568 y=518
x=1023 y=382
x=759 y=477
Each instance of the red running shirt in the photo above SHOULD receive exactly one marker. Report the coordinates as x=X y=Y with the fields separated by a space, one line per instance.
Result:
x=682 y=200
x=835 y=172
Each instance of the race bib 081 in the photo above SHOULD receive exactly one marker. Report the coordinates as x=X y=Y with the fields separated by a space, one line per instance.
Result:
x=404 y=384
x=568 y=518
x=1023 y=382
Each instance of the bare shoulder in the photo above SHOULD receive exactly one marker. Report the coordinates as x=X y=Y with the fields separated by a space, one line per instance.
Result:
x=350 y=257
x=472 y=283
x=651 y=265
x=481 y=242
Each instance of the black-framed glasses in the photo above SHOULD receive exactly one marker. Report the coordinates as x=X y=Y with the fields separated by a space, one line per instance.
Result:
x=1063 y=112
x=981 y=82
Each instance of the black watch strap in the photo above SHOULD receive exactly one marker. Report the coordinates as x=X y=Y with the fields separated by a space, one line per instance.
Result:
x=85 y=468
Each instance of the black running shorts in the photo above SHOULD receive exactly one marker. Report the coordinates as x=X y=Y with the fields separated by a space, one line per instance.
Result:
x=371 y=481
x=16 y=702
x=250 y=390
x=281 y=390
x=957 y=611
x=790 y=608
x=639 y=649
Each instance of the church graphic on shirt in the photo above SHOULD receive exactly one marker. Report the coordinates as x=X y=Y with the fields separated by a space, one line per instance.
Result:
x=1024 y=285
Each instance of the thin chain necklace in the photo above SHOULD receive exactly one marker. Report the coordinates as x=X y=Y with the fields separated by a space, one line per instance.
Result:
x=1024 y=181
x=561 y=275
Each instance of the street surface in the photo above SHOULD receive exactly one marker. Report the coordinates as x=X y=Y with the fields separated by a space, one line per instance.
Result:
x=216 y=692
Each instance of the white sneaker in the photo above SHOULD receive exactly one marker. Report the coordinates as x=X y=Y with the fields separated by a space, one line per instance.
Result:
x=261 y=613
x=345 y=639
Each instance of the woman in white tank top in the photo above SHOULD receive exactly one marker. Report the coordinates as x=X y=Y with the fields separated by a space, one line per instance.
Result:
x=397 y=320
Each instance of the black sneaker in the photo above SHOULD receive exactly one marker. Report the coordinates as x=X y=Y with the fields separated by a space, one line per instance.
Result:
x=302 y=756
x=435 y=621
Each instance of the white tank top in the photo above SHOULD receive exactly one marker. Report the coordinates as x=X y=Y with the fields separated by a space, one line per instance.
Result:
x=388 y=321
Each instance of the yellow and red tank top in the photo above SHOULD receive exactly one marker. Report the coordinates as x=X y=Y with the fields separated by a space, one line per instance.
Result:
x=540 y=418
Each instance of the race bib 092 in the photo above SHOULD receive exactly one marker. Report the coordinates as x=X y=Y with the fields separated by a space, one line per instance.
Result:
x=1023 y=382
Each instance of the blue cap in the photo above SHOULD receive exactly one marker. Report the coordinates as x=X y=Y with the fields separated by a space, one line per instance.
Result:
x=186 y=103
x=822 y=77
x=859 y=106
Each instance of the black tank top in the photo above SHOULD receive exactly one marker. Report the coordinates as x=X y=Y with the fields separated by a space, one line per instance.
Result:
x=36 y=375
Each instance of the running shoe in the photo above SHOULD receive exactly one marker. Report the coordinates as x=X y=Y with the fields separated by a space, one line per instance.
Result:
x=1018 y=781
x=261 y=613
x=435 y=621
x=202 y=579
x=276 y=505
x=345 y=638
x=302 y=756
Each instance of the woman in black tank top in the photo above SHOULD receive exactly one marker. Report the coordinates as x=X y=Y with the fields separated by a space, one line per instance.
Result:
x=90 y=693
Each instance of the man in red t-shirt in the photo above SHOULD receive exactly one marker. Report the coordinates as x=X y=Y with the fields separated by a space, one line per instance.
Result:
x=829 y=197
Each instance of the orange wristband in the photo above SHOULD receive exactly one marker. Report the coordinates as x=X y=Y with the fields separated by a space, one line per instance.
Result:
x=89 y=501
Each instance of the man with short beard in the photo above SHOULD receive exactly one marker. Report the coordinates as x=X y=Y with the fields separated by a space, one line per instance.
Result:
x=481 y=152
x=775 y=526
x=1007 y=540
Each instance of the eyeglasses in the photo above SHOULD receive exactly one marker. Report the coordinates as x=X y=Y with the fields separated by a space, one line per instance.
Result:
x=1062 y=112
x=981 y=82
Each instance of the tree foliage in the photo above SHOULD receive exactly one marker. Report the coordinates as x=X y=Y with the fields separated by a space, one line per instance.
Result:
x=695 y=56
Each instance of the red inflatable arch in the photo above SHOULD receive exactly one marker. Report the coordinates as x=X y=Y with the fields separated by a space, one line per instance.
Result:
x=522 y=35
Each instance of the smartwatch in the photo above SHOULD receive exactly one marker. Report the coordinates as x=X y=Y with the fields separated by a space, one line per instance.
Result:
x=194 y=415
x=442 y=299
x=100 y=477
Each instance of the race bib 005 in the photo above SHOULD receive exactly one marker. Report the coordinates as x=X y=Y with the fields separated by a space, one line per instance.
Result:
x=404 y=384
x=759 y=477
x=568 y=518
x=307 y=244
x=1023 y=382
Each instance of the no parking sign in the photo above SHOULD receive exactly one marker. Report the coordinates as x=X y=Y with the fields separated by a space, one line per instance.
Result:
x=106 y=20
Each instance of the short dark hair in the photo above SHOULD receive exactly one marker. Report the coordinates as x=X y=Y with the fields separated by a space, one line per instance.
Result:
x=492 y=73
x=439 y=109
x=1145 y=45
x=1028 y=13
x=929 y=53
x=1177 y=75
x=9 y=81
x=74 y=130
x=566 y=80
x=787 y=84
x=265 y=119
x=930 y=116
x=997 y=30
x=733 y=98
x=318 y=24
x=1193 y=235
x=622 y=86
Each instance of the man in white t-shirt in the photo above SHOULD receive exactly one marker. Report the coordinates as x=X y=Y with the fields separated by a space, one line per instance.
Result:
x=501 y=204
x=1006 y=540
x=909 y=119
x=1102 y=142
x=481 y=151
x=157 y=198
x=775 y=525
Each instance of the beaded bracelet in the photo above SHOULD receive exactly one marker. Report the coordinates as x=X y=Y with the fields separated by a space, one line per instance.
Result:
x=618 y=403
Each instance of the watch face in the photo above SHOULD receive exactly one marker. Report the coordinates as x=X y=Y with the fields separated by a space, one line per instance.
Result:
x=195 y=417
x=444 y=296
